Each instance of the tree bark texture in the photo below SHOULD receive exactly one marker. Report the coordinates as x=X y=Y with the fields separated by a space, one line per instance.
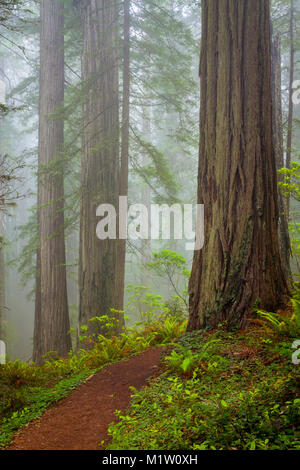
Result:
x=289 y=137
x=124 y=147
x=240 y=262
x=98 y=286
x=291 y=81
x=284 y=238
x=52 y=316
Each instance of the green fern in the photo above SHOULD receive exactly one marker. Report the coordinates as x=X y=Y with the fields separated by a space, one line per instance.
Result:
x=283 y=325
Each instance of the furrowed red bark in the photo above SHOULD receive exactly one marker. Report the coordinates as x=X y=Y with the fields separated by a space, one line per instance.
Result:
x=51 y=317
x=98 y=286
x=239 y=264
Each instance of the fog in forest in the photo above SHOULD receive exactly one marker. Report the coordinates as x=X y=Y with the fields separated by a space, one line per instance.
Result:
x=163 y=143
x=149 y=228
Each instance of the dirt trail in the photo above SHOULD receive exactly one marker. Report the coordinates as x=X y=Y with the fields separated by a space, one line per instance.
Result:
x=80 y=421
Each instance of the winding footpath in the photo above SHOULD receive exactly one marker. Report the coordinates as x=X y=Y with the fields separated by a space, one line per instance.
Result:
x=80 y=421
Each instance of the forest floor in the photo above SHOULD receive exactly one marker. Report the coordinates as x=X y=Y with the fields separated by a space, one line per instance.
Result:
x=80 y=421
x=162 y=388
x=217 y=390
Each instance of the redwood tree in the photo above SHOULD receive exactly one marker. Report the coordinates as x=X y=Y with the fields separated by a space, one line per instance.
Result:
x=289 y=137
x=284 y=239
x=51 y=315
x=239 y=264
x=124 y=164
x=98 y=286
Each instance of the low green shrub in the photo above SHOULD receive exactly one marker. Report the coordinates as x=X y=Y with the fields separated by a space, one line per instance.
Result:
x=240 y=394
x=27 y=389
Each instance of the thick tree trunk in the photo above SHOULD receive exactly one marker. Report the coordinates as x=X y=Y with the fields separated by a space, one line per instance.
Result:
x=284 y=238
x=240 y=262
x=52 y=317
x=124 y=147
x=98 y=287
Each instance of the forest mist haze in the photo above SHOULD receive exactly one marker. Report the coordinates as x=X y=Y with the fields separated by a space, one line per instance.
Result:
x=163 y=138
x=149 y=225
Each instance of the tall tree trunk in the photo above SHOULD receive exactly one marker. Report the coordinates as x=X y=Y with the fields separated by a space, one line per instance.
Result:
x=124 y=147
x=2 y=279
x=146 y=200
x=52 y=316
x=289 y=139
x=98 y=287
x=2 y=223
x=284 y=238
x=240 y=261
x=37 y=332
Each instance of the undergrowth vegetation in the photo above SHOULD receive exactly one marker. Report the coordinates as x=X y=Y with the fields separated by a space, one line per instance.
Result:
x=26 y=390
x=217 y=389
x=284 y=323
x=220 y=390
